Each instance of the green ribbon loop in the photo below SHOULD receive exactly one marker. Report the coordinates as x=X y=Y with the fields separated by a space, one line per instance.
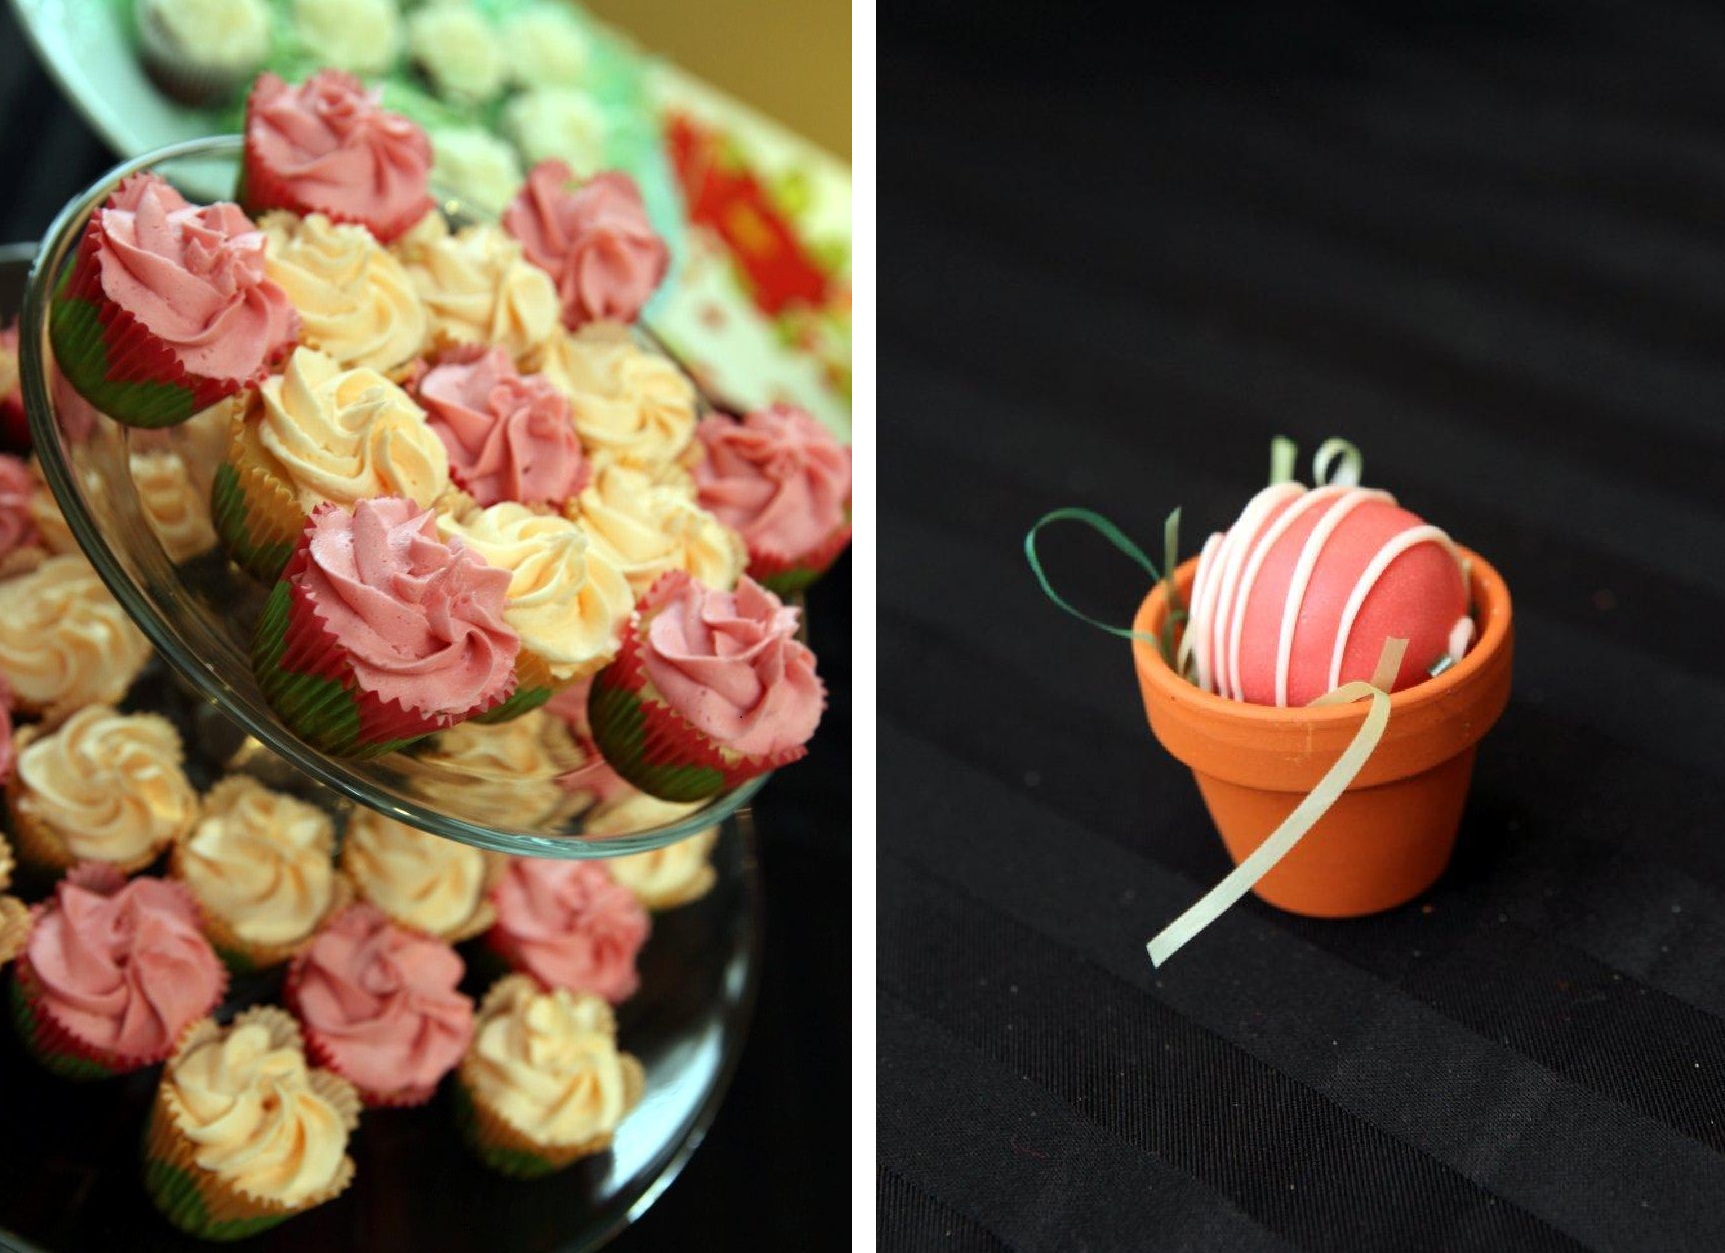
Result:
x=1115 y=536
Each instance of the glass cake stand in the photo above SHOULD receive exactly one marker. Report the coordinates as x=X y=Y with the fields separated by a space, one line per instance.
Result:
x=199 y=612
x=70 y=1178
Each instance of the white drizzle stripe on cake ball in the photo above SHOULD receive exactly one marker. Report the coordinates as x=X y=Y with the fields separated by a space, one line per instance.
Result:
x=1308 y=562
x=1394 y=547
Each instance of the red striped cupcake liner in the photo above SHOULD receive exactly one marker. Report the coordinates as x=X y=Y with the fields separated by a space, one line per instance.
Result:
x=786 y=576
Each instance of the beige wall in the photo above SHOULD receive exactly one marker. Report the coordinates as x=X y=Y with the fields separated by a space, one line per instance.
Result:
x=791 y=59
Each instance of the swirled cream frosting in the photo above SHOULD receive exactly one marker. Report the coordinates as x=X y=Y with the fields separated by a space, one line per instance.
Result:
x=64 y=640
x=419 y=879
x=262 y=860
x=632 y=407
x=478 y=288
x=355 y=301
x=174 y=508
x=504 y=774
x=647 y=529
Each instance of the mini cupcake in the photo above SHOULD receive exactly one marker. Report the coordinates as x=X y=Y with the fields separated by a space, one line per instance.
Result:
x=112 y=973
x=20 y=543
x=261 y=865
x=379 y=632
x=455 y=48
x=544 y=46
x=567 y=602
x=355 y=301
x=104 y=787
x=558 y=124
x=479 y=289
x=504 y=776
x=64 y=640
x=328 y=147
x=174 y=509
x=594 y=239
x=710 y=689
x=167 y=308
x=359 y=36
x=648 y=530
x=661 y=878
x=508 y=434
x=569 y=925
x=319 y=434
x=543 y=1084
x=480 y=168
x=632 y=407
x=243 y=1134
x=781 y=481
x=422 y=881
x=202 y=52
x=380 y=1006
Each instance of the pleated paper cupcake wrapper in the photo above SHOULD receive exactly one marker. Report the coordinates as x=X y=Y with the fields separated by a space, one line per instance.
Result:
x=786 y=576
x=651 y=745
x=201 y=1202
x=41 y=850
x=15 y=922
x=257 y=516
x=510 y=1151
x=304 y=676
x=261 y=189
x=182 y=78
x=115 y=362
x=533 y=687
x=241 y=955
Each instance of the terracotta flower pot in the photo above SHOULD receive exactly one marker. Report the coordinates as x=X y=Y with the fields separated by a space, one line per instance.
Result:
x=1389 y=836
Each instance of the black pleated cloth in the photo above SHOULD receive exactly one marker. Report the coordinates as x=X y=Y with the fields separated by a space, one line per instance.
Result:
x=772 y=1167
x=1487 y=244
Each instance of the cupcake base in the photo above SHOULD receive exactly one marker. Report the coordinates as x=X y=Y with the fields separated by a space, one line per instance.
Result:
x=509 y=1151
x=48 y=1043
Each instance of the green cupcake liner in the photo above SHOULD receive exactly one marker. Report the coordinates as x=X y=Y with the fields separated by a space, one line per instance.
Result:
x=516 y=1163
x=619 y=725
x=174 y=1192
x=31 y=1032
x=790 y=582
x=231 y=517
x=522 y=700
x=81 y=351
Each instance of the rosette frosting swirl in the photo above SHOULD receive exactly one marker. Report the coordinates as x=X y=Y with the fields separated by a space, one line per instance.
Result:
x=108 y=784
x=383 y=1001
x=346 y=435
x=570 y=925
x=64 y=640
x=508 y=435
x=254 y=1112
x=479 y=289
x=327 y=146
x=566 y=601
x=631 y=406
x=595 y=240
x=505 y=774
x=778 y=478
x=355 y=301
x=195 y=277
x=419 y=879
x=547 y=1062
x=731 y=664
x=174 y=508
x=261 y=860
x=661 y=878
x=419 y=620
x=123 y=965
x=647 y=529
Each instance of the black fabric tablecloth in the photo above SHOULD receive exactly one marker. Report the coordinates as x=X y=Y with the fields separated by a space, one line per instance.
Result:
x=772 y=1168
x=1487 y=243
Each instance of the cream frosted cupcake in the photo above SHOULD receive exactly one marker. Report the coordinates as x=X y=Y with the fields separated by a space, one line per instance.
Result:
x=174 y=509
x=479 y=289
x=201 y=52
x=476 y=165
x=457 y=50
x=661 y=878
x=104 y=787
x=647 y=529
x=422 y=881
x=356 y=304
x=558 y=124
x=632 y=407
x=544 y=46
x=64 y=640
x=566 y=601
x=261 y=865
x=504 y=775
x=320 y=433
x=51 y=530
x=359 y=36
x=543 y=1084
x=243 y=1133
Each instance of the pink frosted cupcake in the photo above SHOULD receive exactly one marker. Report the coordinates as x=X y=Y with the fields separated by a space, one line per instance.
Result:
x=509 y=434
x=710 y=689
x=112 y=973
x=167 y=308
x=328 y=147
x=380 y=1006
x=781 y=481
x=20 y=543
x=380 y=632
x=569 y=925
x=594 y=240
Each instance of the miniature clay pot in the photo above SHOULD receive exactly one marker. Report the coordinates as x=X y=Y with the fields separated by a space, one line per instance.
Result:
x=1389 y=836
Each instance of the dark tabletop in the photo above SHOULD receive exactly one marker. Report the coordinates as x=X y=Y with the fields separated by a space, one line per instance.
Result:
x=1486 y=243
x=772 y=1169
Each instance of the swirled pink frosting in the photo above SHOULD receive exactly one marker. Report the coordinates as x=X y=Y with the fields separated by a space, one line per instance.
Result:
x=595 y=240
x=194 y=276
x=124 y=965
x=421 y=620
x=778 y=478
x=334 y=150
x=17 y=527
x=570 y=925
x=382 y=1001
x=509 y=434
x=731 y=664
